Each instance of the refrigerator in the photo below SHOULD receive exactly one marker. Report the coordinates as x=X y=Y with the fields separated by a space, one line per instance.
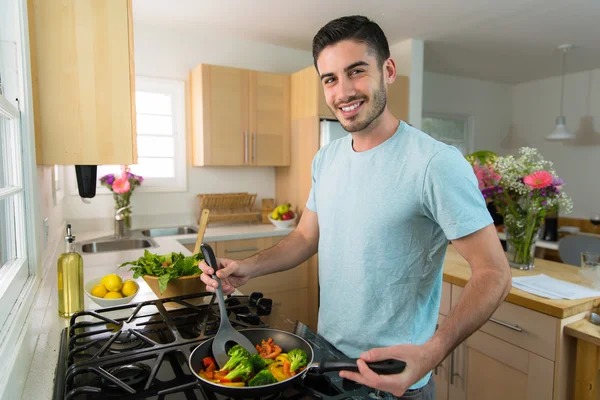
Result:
x=330 y=130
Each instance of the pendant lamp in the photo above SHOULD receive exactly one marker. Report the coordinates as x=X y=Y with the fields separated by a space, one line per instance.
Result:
x=561 y=132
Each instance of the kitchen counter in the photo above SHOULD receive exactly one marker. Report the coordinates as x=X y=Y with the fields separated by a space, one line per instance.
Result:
x=45 y=331
x=457 y=271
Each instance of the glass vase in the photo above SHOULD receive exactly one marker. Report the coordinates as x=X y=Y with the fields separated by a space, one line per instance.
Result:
x=123 y=200
x=521 y=237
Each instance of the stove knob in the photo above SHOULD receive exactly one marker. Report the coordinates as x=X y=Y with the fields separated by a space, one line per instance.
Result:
x=264 y=306
x=253 y=298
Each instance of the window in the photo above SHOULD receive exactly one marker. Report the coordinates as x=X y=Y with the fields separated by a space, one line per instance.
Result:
x=160 y=128
x=14 y=266
x=450 y=129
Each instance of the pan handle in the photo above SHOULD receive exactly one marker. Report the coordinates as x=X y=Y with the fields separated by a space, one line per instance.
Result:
x=385 y=367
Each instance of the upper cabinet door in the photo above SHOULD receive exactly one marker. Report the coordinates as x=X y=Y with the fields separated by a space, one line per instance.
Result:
x=219 y=108
x=83 y=81
x=269 y=119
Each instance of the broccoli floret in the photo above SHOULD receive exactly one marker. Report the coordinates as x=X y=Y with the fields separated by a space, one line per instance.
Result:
x=258 y=362
x=237 y=353
x=264 y=377
x=298 y=359
x=243 y=370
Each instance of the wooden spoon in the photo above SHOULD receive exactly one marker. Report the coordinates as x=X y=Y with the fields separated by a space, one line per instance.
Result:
x=201 y=229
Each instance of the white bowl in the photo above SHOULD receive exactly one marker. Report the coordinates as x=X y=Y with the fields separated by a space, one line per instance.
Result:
x=107 y=302
x=283 y=224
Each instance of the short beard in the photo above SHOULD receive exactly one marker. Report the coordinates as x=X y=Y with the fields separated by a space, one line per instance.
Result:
x=379 y=103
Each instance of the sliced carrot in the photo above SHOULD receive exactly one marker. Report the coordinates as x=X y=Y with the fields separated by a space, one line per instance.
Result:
x=286 y=369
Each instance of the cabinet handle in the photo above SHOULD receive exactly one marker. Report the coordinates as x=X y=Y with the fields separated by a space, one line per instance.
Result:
x=509 y=326
x=245 y=147
x=241 y=250
x=253 y=147
x=452 y=372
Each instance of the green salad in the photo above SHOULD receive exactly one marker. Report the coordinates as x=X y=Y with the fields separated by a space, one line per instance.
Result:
x=165 y=267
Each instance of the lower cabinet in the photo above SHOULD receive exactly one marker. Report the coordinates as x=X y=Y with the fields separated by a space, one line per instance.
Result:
x=487 y=368
x=288 y=289
x=494 y=364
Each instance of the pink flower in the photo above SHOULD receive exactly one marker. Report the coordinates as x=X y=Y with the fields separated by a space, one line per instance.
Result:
x=538 y=180
x=121 y=185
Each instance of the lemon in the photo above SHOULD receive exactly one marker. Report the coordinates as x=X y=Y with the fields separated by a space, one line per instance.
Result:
x=129 y=288
x=99 y=291
x=113 y=295
x=112 y=282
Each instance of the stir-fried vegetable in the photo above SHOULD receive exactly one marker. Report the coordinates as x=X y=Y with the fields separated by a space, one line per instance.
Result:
x=298 y=359
x=269 y=366
x=237 y=354
x=263 y=377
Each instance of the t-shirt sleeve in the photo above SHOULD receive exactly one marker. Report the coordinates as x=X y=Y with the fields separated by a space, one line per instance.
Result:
x=311 y=203
x=451 y=195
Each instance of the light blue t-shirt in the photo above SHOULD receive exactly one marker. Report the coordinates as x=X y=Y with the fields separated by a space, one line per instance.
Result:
x=385 y=218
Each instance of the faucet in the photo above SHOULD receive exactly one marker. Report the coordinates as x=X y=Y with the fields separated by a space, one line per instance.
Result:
x=120 y=222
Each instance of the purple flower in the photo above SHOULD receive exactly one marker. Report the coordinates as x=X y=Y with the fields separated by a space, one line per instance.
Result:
x=556 y=181
x=543 y=202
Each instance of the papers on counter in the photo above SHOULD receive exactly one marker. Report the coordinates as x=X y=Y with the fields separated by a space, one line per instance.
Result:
x=545 y=286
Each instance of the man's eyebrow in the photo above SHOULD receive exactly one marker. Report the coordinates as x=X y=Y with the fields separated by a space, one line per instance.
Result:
x=349 y=67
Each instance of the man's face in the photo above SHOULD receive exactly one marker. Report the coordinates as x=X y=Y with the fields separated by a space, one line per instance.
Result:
x=353 y=84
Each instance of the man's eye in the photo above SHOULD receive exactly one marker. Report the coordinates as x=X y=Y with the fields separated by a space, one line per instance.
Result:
x=328 y=80
x=356 y=71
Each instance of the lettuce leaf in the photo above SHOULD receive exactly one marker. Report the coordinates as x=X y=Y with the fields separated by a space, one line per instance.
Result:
x=165 y=267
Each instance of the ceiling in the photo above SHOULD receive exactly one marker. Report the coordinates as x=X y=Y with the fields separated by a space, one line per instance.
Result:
x=508 y=41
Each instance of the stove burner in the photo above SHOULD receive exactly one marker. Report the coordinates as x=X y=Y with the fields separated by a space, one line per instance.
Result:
x=125 y=343
x=321 y=384
x=130 y=374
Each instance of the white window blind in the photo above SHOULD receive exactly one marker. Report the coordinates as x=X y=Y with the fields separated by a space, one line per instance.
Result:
x=449 y=129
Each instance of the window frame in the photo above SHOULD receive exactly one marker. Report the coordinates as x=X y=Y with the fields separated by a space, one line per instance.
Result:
x=175 y=88
x=468 y=137
x=16 y=271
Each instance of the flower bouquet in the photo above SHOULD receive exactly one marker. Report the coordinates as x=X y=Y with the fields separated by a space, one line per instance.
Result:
x=523 y=189
x=122 y=188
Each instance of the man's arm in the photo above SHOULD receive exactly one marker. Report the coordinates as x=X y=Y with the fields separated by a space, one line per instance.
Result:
x=291 y=251
x=489 y=285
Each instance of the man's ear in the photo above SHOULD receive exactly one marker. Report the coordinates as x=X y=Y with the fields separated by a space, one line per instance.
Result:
x=389 y=71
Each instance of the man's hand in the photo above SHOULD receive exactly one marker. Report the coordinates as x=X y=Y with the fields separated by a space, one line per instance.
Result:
x=231 y=273
x=418 y=363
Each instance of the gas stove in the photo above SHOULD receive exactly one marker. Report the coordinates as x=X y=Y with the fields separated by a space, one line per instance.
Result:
x=141 y=351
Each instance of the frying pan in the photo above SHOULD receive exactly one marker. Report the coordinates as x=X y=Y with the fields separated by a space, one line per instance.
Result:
x=287 y=341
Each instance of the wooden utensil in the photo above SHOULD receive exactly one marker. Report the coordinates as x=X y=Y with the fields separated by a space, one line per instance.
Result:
x=201 y=229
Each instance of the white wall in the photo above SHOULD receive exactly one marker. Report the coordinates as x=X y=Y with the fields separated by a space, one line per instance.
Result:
x=172 y=54
x=488 y=105
x=409 y=57
x=535 y=106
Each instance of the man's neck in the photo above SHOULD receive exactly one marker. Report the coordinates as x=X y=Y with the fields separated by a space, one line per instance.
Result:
x=376 y=133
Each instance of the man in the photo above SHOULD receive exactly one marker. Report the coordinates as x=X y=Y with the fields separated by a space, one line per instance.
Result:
x=384 y=202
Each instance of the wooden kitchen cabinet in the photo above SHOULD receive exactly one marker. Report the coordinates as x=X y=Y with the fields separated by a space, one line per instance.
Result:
x=83 y=81
x=289 y=290
x=512 y=356
x=239 y=117
x=487 y=368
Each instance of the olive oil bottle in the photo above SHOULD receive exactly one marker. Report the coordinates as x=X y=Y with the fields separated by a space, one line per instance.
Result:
x=70 y=279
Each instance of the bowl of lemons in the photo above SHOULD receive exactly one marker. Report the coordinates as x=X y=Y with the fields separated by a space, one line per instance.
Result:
x=111 y=290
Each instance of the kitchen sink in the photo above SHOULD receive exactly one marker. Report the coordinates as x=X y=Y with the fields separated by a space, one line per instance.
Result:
x=116 y=245
x=181 y=230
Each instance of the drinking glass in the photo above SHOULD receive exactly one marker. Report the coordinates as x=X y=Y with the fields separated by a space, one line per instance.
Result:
x=590 y=271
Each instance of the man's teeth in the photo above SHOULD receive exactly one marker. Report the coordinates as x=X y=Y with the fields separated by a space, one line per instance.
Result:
x=352 y=107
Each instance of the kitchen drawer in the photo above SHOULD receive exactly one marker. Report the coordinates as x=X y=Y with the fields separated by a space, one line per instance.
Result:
x=239 y=249
x=446 y=300
x=530 y=330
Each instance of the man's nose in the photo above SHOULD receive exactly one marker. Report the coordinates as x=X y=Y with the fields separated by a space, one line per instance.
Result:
x=345 y=90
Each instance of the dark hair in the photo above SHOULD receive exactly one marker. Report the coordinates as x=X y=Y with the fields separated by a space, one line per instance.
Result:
x=354 y=27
